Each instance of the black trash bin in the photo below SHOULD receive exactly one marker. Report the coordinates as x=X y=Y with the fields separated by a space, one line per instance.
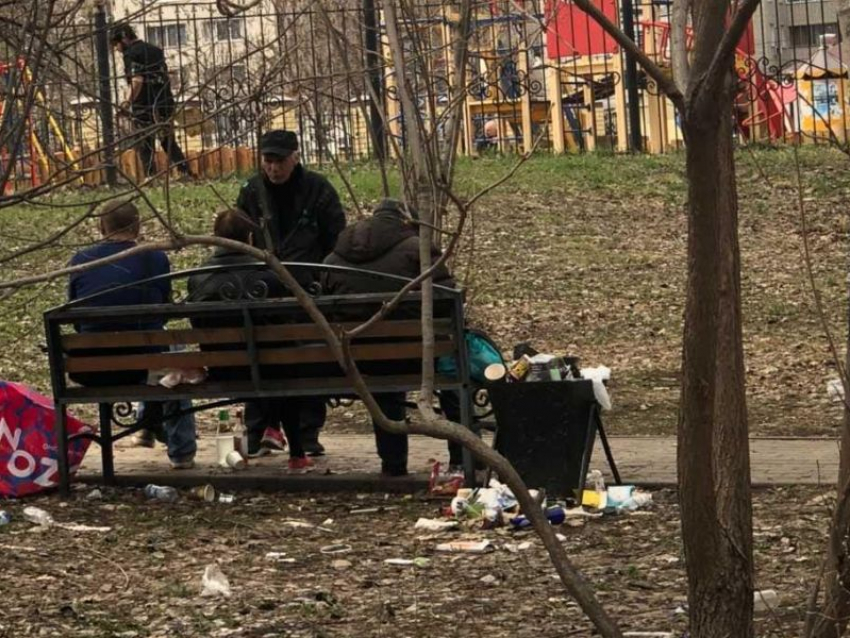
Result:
x=546 y=430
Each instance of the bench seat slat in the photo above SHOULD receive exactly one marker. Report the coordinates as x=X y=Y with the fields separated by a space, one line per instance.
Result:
x=263 y=334
x=328 y=386
x=314 y=353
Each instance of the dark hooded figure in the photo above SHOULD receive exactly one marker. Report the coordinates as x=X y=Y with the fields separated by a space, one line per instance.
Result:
x=387 y=242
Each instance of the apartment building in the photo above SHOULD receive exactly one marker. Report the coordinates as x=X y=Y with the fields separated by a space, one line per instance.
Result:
x=790 y=32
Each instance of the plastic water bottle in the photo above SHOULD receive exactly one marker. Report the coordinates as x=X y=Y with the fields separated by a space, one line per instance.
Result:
x=38 y=516
x=161 y=493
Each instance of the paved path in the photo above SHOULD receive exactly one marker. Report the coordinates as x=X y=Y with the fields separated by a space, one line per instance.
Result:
x=641 y=460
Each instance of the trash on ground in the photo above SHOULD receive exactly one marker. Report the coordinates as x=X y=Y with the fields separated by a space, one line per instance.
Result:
x=341 y=564
x=835 y=390
x=226 y=498
x=466 y=547
x=214 y=582
x=489 y=579
x=94 y=495
x=336 y=548
x=374 y=510
x=515 y=548
x=420 y=561
x=765 y=600
x=162 y=493
x=444 y=480
x=435 y=525
x=204 y=493
x=5 y=517
x=38 y=516
x=76 y=527
x=279 y=557
x=304 y=525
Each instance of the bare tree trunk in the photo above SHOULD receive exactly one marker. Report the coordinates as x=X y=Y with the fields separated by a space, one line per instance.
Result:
x=713 y=457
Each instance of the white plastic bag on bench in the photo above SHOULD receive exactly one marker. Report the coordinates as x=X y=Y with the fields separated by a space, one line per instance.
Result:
x=29 y=456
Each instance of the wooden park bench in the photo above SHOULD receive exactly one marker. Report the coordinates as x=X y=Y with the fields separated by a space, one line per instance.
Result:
x=254 y=348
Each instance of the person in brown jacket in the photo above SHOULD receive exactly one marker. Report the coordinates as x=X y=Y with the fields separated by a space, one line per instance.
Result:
x=387 y=242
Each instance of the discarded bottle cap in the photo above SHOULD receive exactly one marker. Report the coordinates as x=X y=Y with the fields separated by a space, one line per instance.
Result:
x=495 y=372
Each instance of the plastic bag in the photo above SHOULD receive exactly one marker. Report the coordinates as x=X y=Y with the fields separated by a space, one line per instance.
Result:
x=481 y=352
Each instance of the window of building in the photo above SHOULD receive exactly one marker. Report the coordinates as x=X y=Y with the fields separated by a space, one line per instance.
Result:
x=810 y=35
x=224 y=29
x=225 y=74
x=167 y=36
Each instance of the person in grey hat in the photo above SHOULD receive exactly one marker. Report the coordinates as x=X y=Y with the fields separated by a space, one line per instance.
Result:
x=299 y=213
x=386 y=242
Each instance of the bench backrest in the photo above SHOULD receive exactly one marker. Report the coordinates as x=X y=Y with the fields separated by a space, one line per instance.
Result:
x=245 y=338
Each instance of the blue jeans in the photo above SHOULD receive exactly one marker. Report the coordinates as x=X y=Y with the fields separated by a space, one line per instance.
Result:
x=180 y=436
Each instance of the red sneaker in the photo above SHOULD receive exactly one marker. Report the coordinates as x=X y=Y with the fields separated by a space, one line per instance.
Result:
x=300 y=463
x=273 y=439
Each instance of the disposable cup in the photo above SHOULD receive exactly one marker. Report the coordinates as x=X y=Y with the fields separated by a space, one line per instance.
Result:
x=223 y=447
x=235 y=460
x=204 y=493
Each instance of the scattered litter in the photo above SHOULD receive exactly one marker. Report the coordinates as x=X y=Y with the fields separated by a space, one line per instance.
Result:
x=374 y=510
x=435 y=525
x=765 y=600
x=5 y=517
x=514 y=548
x=835 y=390
x=205 y=493
x=489 y=579
x=327 y=522
x=679 y=611
x=304 y=525
x=279 y=557
x=466 y=547
x=599 y=375
x=94 y=495
x=75 y=527
x=444 y=481
x=336 y=548
x=420 y=561
x=38 y=516
x=214 y=582
x=226 y=498
x=340 y=564
x=161 y=493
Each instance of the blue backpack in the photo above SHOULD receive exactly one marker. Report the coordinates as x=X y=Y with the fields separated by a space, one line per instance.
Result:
x=481 y=352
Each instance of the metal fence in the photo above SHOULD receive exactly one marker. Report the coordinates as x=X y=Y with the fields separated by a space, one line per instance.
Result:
x=540 y=74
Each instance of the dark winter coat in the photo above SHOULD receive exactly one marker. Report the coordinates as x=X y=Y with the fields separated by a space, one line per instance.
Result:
x=303 y=217
x=384 y=243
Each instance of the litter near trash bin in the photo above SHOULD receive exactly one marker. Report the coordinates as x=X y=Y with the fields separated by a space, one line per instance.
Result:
x=444 y=482
x=466 y=547
x=94 y=495
x=205 y=493
x=161 y=493
x=38 y=516
x=435 y=525
x=420 y=561
x=336 y=548
x=214 y=582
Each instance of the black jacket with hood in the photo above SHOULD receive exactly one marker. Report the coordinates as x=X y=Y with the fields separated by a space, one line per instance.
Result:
x=385 y=243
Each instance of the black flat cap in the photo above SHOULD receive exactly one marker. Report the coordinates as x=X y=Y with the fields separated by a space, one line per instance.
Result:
x=282 y=143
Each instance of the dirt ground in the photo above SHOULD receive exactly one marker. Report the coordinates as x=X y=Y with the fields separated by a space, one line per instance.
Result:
x=143 y=577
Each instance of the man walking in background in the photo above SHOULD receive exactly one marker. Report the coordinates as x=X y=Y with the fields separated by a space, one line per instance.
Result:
x=300 y=217
x=149 y=99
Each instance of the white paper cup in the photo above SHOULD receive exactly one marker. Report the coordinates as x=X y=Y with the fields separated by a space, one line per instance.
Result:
x=223 y=447
x=235 y=460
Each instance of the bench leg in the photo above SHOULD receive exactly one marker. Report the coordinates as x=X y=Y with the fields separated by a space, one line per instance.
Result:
x=61 y=426
x=107 y=459
x=466 y=421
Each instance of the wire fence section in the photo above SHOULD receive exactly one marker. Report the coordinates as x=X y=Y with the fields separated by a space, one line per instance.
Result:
x=539 y=74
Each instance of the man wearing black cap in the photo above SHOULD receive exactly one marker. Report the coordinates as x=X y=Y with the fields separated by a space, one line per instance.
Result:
x=299 y=212
x=149 y=99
